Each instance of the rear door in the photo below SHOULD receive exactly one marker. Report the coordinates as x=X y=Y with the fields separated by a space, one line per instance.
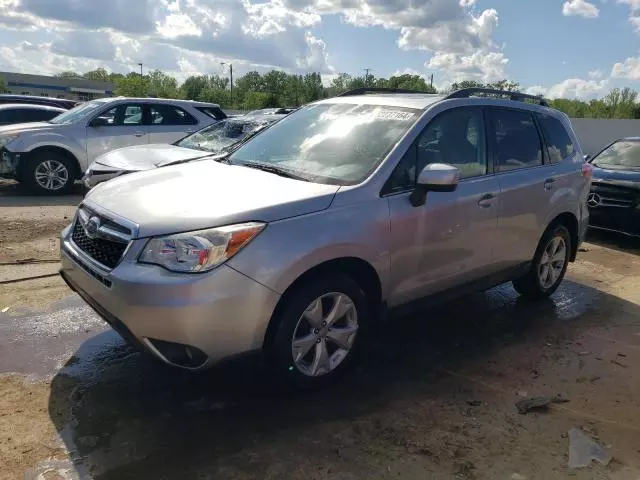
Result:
x=449 y=240
x=526 y=183
x=121 y=126
x=169 y=123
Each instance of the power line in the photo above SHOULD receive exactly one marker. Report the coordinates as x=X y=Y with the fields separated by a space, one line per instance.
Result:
x=366 y=75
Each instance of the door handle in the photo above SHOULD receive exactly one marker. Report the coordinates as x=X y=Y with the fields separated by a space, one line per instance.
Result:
x=485 y=200
x=548 y=183
x=190 y=130
x=138 y=134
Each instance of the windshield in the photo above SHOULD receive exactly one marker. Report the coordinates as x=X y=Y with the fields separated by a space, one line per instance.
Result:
x=623 y=154
x=329 y=143
x=79 y=113
x=222 y=135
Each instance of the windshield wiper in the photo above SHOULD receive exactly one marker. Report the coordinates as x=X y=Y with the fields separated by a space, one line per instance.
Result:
x=271 y=169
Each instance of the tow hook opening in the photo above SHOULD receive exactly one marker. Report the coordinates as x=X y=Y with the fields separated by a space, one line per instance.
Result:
x=178 y=354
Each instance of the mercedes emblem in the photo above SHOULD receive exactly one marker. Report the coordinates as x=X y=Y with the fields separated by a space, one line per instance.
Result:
x=593 y=200
x=92 y=226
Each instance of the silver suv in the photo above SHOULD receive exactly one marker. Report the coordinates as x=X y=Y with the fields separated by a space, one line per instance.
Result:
x=295 y=242
x=50 y=156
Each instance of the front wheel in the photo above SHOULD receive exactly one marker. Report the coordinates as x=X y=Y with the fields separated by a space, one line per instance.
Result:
x=319 y=332
x=49 y=173
x=549 y=265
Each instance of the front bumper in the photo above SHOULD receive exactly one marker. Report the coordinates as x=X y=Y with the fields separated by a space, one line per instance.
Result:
x=624 y=220
x=220 y=314
x=93 y=177
x=9 y=163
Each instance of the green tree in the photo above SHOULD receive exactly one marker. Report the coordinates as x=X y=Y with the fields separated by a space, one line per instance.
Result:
x=193 y=86
x=99 y=74
x=256 y=100
x=68 y=74
x=216 y=95
x=3 y=85
x=162 y=85
x=410 y=82
x=312 y=85
x=133 y=85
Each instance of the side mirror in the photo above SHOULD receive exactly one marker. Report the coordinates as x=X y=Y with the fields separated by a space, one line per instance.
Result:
x=435 y=177
x=99 y=122
x=587 y=157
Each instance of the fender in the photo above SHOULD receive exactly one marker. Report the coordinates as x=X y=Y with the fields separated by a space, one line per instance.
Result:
x=70 y=139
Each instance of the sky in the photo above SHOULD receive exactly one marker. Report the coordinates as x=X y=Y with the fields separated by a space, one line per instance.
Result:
x=572 y=49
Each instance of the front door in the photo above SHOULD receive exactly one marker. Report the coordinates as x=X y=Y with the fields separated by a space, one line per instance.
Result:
x=120 y=126
x=449 y=240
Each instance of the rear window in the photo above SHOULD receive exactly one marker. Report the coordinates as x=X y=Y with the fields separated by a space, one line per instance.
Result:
x=559 y=144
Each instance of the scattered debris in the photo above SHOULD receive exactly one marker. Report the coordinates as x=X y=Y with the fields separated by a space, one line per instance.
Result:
x=5 y=310
x=620 y=354
x=620 y=364
x=583 y=249
x=538 y=403
x=582 y=450
x=582 y=354
x=474 y=403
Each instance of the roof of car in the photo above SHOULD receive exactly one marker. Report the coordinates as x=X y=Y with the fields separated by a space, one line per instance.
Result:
x=410 y=100
x=161 y=100
x=30 y=106
x=630 y=139
x=419 y=100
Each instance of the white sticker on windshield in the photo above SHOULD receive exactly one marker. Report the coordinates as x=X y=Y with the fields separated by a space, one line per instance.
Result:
x=393 y=115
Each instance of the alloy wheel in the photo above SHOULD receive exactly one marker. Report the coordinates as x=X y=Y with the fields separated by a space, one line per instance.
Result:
x=324 y=334
x=552 y=262
x=51 y=175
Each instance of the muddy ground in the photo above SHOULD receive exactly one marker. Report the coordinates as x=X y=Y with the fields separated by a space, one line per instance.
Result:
x=434 y=399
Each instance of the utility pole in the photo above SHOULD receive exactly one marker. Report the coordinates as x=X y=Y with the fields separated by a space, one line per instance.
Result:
x=140 y=70
x=431 y=83
x=230 y=80
x=366 y=76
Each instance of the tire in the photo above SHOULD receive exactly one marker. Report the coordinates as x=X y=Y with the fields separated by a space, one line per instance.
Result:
x=533 y=285
x=49 y=169
x=300 y=327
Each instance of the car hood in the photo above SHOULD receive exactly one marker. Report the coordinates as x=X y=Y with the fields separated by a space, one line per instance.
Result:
x=626 y=178
x=26 y=127
x=206 y=194
x=146 y=157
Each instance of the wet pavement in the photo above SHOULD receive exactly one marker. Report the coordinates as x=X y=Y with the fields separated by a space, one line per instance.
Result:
x=434 y=398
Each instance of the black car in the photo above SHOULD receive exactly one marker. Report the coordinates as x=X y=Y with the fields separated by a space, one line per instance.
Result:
x=33 y=100
x=12 y=113
x=614 y=200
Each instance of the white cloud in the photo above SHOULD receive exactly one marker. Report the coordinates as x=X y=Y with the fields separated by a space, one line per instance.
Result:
x=483 y=66
x=580 y=8
x=630 y=69
x=634 y=13
x=596 y=74
x=572 y=88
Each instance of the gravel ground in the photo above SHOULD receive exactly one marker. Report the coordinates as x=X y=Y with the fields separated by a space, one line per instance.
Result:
x=435 y=398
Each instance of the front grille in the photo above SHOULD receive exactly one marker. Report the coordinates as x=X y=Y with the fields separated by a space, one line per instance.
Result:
x=615 y=195
x=106 y=252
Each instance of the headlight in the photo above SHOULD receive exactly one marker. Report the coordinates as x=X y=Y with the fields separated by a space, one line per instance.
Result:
x=199 y=251
x=4 y=139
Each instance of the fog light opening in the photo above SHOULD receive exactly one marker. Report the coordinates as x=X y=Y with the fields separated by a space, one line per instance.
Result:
x=181 y=355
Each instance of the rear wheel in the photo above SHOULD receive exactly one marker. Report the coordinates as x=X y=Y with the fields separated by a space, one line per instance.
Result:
x=549 y=265
x=49 y=173
x=319 y=332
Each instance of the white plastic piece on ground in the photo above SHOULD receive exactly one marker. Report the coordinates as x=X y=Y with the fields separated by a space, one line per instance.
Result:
x=582 y=450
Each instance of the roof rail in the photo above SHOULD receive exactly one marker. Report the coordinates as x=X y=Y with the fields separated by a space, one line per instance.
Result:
x=517 y=96
x=365 y=90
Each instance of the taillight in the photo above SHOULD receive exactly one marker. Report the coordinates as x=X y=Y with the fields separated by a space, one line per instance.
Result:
x=587 y=170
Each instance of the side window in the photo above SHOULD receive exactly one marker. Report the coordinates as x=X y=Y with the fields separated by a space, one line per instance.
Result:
x=125 y=115
x=517 y=142
x=455 y=137
x=170 y=115
x=33 y=115
x=559 y=144
x=11 y=116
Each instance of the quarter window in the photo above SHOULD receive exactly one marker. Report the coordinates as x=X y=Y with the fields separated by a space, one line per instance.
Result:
x=559 y=143
x=517 y=142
